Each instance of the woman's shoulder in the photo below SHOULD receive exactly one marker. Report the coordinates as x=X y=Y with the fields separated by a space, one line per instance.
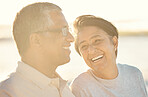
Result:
x=128 y=69
x=82 y=79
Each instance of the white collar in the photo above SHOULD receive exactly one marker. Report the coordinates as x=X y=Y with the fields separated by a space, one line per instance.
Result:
x=37 y=77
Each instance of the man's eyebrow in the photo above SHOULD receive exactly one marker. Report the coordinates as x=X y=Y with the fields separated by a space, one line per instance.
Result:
x=65 y=26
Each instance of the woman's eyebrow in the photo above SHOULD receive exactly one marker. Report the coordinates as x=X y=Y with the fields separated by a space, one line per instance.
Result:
x=90 y=39
x=95 y=36
x=82 y=42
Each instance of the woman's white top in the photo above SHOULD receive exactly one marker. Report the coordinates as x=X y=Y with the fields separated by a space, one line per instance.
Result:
x=128 y=83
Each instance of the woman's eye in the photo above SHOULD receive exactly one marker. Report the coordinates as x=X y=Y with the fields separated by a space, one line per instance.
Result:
x=97 y=41
x=84 y=47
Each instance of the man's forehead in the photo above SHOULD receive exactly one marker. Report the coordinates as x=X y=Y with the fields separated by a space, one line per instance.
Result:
x=57 y=18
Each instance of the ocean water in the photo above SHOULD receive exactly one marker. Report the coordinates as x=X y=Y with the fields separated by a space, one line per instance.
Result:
x=132 y=50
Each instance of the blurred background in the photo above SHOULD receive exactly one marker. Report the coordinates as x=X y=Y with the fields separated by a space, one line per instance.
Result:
x=129 y=16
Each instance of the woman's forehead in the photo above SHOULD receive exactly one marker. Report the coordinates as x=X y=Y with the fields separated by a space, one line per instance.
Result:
x=90 y=32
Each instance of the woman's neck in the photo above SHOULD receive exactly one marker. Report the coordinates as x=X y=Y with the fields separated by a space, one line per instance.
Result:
x=107 y=73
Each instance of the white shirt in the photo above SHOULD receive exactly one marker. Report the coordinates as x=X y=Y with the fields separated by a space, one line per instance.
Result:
x=128 y=83
x=28 y=82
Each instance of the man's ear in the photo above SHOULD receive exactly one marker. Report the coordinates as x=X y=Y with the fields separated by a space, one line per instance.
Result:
x=35 y=39
x=115 y=42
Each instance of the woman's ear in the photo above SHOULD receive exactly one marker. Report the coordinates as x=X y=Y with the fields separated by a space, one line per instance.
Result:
x=115 y=42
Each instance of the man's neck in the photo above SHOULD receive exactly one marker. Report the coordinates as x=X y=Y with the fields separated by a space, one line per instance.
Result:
x=45 y=68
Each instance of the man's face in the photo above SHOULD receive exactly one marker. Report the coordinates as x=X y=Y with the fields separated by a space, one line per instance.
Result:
x=55 y=44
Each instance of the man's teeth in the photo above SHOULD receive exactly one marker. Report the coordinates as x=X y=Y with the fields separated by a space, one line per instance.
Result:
x=66 y=47
x=96 y=58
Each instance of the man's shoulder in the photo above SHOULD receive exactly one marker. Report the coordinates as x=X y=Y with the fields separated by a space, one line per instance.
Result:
x=13 y=81
x=6 y=86
x=3 y=93
x=7 y=82
x=13 y=85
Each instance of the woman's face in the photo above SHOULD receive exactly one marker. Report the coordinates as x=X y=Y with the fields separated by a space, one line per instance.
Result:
x=97 y=48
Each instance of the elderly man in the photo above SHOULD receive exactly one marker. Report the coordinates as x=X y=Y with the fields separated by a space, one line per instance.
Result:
x=43 y=40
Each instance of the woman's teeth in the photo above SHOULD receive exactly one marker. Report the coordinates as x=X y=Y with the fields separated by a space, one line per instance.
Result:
x=97 y=58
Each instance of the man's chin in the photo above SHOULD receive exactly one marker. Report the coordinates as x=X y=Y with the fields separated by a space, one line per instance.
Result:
x=65 y=61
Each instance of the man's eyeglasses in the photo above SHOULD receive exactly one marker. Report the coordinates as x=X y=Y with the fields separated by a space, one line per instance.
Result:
x=65 y=31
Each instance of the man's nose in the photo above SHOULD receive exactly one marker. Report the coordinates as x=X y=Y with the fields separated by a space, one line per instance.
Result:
x=70 y=37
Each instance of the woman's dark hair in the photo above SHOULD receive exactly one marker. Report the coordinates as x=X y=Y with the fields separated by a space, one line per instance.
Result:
x=90 y=20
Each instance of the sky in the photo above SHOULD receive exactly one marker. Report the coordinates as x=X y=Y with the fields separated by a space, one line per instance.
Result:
x=124 y=14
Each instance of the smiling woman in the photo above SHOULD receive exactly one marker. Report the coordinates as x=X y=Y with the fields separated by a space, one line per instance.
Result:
x=97 y=49
x=97 y=43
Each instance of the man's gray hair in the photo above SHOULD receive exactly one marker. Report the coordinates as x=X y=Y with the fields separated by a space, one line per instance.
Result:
x=31 y=18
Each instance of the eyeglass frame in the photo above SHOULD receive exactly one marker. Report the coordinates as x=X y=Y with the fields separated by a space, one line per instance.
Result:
x=65 y=30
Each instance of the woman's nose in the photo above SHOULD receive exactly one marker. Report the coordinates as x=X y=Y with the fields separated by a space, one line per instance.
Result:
x=91 y=49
